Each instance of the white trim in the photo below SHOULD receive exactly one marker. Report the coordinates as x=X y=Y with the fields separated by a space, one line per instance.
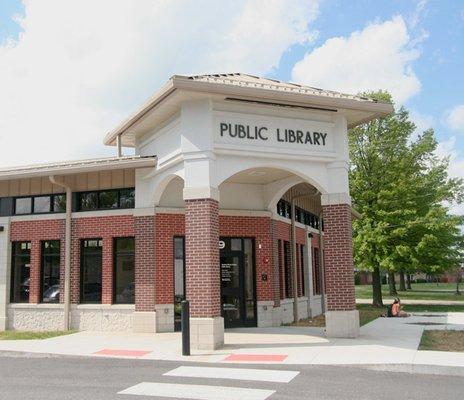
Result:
x=250 y=151
x=60 y=306
x=245 y=213
x=205 y=192
x=103 y=213
x=169 y=210
x=144 y=212
x=335 y=198
x=76 y=167
x=103 y=307
x=35 y=306
x=277 y=217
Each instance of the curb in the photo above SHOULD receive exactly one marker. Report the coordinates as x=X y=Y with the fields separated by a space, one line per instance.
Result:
x=425 y=369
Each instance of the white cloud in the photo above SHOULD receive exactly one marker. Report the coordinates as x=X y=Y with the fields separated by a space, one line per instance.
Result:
x=448 y=148
x=81 y=66
x=455 y=118
x=423 y=122
x=380 y=56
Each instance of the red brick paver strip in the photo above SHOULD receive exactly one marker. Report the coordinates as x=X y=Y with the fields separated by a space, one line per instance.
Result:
x=121 y=352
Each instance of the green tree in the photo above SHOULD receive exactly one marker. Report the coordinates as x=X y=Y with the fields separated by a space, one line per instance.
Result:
x=401 y=187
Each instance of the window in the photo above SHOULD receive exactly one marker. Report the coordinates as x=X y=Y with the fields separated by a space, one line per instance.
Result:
x=20 y=272
x=317 y=283
x=42 y=204
x=91 y=271
x=179 y=278
x=124 y=271
x=23 y=205
x=127 y=198
x=106 y=199
x=284 y=209
x=50 y=272
x=302 y=266
x=288 y=270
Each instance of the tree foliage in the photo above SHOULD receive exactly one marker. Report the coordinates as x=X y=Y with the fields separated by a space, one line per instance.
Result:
x=403 y=191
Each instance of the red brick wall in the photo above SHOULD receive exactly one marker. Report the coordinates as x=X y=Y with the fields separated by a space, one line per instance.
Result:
x=144 y=229
x=105 y=228
x=283 y=232
x=35 y=232
x=167 y=226
x=202 y=257
x=338 y=261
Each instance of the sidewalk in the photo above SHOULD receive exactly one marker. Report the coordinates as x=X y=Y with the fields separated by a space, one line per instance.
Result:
x=410 y=301
x=385 y=341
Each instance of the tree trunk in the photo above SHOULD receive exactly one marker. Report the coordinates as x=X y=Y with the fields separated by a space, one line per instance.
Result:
x=458 y=281
x=408 y=281
x=391 y=283
x=402 y=282
x=376 y=288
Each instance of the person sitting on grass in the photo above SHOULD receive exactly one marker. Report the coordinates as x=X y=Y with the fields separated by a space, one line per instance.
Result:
x=396 y=310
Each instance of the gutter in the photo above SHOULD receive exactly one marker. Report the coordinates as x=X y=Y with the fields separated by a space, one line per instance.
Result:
x=67 y=241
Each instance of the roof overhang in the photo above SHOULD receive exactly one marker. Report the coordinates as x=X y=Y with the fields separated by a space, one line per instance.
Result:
x=78 y=166
x=169 y=98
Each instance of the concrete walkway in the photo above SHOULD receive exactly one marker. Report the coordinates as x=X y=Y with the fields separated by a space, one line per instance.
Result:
x=410 y=301
x=385 y=341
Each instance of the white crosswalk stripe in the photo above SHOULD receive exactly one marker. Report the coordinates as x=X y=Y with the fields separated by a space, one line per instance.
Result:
x=197 y=392
x=244 y=374
x=211 y=392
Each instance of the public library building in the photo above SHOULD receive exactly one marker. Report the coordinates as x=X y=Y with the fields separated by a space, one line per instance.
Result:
x=237 y=199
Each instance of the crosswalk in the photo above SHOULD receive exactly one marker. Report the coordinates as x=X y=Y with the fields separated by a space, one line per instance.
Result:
x=213 y=392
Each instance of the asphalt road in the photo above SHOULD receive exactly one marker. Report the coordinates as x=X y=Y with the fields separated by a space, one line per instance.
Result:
x=49 y=378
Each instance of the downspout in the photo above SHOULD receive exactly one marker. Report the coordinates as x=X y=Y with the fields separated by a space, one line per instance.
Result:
x=119 y=145
x=67 y=263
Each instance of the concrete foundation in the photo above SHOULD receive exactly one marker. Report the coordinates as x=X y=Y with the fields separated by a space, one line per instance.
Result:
x=144 y=322
x=164 y=317
x=342 y=324
x=49 y=317
x=206 y=333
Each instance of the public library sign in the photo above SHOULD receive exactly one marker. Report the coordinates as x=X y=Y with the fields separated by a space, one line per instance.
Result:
x=266 y=132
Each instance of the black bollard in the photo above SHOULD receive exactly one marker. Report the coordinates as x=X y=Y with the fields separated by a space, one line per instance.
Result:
x=185 y=323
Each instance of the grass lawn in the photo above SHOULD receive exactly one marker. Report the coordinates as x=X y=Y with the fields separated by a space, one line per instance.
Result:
x=419 y=291
x=25 y=335
x=440 y=340
x=368 y=313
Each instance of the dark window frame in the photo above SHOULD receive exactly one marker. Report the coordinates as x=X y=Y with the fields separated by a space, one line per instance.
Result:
x=42 y=264
x=81 y=264
x=115 y=259
x=52 y=204
x=284 y=209
x=14 y=256
x=97 y=193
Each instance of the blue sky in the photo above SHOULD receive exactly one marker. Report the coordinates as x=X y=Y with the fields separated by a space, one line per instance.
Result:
x=76 y=68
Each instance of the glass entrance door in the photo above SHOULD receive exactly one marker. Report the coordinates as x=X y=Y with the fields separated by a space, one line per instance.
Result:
x=237 y=282
x=231 y=288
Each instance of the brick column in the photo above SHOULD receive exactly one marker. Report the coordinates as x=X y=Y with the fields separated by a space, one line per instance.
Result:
x=342 y=318
x=144 y=319
x=203 y=285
